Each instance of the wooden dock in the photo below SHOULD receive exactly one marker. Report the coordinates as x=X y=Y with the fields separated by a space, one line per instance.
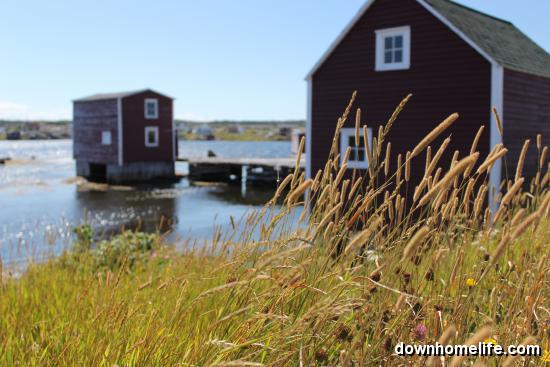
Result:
x=252 y=171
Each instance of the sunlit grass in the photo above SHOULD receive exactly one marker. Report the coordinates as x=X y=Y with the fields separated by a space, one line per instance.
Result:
x=366 y=267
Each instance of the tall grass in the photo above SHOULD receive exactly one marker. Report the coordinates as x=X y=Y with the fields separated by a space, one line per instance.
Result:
x=366 y=265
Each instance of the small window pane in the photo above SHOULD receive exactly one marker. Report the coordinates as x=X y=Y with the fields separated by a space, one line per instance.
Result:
x=388 y=43
x=361 y=154
x=392 y=48
x=352 y=155
x=398 y=56
x=398 y=42
x=106 y=138
x=151 y=136
x=151 y=109
x=351 y=141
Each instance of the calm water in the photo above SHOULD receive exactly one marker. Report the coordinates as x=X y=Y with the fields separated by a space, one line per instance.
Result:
x=40 y=202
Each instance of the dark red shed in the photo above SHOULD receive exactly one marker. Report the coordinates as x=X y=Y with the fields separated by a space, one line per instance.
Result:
x=122 y=137
x=452 y=58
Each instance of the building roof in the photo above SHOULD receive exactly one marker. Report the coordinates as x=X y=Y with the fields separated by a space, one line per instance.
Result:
x=497 y=40
x=102 y=96
x=505 y=43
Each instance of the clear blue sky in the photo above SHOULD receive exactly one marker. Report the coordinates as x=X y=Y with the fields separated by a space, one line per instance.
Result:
x=220 y=59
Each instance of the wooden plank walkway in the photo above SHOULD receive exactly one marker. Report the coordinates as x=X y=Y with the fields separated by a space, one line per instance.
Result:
x=253 y=171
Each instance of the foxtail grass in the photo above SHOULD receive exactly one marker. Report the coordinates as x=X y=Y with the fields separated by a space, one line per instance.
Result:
x=336 y=269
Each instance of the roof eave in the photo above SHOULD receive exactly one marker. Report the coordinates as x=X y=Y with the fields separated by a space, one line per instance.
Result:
x=340 y=37
x=151 y=90
x=121 y=96
x=461 y=34
x=364 y=9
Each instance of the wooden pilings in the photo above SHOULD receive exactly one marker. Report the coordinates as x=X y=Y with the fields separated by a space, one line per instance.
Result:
x=252 y=171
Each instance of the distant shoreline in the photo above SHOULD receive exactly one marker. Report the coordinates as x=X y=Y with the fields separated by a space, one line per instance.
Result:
x=187 y=130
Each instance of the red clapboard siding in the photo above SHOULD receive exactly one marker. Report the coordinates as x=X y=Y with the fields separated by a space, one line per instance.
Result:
x=90 y=119
x=134 y=123
x=526 y=114
x=446 y=76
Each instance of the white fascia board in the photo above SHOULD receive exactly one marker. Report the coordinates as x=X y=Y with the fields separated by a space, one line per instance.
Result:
x=497 y=101
x=309 y=122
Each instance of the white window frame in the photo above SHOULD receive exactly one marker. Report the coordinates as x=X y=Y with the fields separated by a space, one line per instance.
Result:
x=155 y=130
x=347 y=133
x=156 y=103
x=381 y=35
x=106 y=137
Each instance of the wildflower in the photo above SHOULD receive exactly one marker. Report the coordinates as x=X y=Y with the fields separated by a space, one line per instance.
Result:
x=35 y=348
x=471 y=282
x=490 y=341
x=546 y=356
x=420 y=332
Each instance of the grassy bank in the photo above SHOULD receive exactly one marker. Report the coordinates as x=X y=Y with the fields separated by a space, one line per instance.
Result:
x=370 y=266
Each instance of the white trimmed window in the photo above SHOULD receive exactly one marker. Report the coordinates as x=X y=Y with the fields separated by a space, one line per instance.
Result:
x=393 y=49
x=151 y=108
x=151 y=136
x=358 y=155
x=106 y=138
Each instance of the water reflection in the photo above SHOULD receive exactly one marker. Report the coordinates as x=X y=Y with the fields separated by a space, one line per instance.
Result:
x=236 y=194
x=115 y=209
x=41 y=201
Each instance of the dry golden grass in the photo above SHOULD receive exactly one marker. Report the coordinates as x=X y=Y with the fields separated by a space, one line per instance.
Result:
x=340 y=283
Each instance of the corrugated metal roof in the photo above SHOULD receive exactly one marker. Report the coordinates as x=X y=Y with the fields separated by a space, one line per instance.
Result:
x=102 y=96
x=499 y=38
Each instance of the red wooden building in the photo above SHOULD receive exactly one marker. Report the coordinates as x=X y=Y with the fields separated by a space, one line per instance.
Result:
x=124 y=137
x=452 y=58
